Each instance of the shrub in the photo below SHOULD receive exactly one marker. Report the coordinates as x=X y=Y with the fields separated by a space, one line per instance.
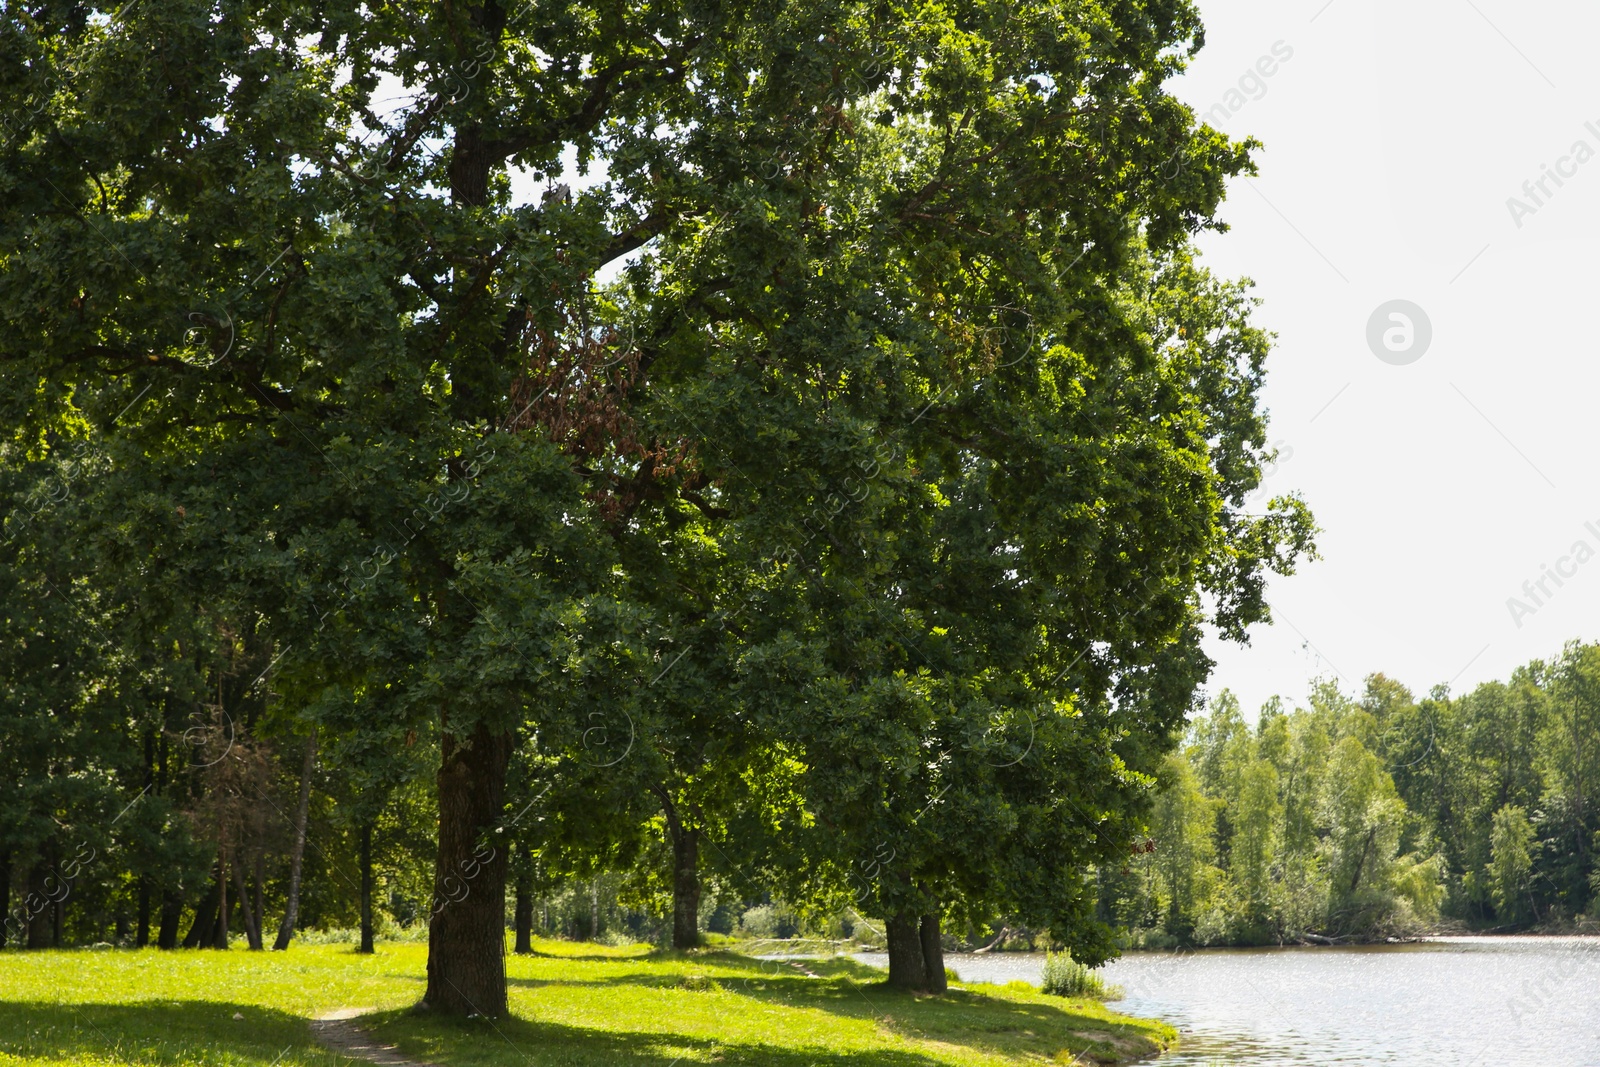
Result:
x=724 y=916
x=770 y=921
x=1065 y=977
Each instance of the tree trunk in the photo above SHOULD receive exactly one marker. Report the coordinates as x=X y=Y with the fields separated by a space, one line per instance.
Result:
x=524 y=905
x=261 y=911
x=366 y=888
x=37 y=905
x=205 y=919
x=685 y=888
x=906 y=969
x=141 y=931
x=220 y=938
x=933 y=955
x=252 y=925
x=141 y=935
x=171 y=915
x=466 y=939
x=5 y=896
x=297 y=851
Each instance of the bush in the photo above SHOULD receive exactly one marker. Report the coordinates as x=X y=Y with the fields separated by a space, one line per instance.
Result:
x=387 y=930
x=770 y=921
x=1065 y=977
x=723 y=917
x=1152 y=939
x=330 y=935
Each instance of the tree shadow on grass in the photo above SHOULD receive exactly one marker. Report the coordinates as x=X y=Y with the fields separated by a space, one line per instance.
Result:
x=160 y=1032
x=750 y=967
x=965 y=1017
x=584 y=957
x=977 y=1020
x=517 y=1042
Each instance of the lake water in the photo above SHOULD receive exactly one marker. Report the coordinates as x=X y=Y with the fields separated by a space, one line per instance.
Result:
x=1451 y=1002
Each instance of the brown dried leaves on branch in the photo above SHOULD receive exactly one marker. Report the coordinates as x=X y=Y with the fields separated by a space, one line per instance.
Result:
x=575 y=387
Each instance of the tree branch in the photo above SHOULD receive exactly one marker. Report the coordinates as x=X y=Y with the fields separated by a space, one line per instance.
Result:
x=600 y=91
x=638 y=236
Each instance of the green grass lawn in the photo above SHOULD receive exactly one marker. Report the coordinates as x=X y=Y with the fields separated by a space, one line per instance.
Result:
x=572 y=1004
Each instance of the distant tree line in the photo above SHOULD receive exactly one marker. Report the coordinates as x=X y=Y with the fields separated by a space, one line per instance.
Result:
x=1377 y=815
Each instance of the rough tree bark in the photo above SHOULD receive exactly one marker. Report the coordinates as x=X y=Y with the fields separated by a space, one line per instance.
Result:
x=685 y=877
x=366 y=888
x=686 y=889
x=466 y=939
x=906 y=968
x=297 y=851
x=933 y=956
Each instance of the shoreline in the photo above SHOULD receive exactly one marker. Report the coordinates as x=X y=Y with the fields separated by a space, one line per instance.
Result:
x=1353 y=943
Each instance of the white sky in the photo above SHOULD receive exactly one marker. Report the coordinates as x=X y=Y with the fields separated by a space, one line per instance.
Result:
x=1394 y=137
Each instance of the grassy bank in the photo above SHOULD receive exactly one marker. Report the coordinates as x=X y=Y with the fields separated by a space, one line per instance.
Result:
x=572 y=1004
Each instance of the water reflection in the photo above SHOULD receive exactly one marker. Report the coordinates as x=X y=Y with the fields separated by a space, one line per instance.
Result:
x=1452 y=1002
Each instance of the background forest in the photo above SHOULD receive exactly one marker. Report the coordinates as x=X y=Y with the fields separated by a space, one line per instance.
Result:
x=1377 y=816
x=1356 y=817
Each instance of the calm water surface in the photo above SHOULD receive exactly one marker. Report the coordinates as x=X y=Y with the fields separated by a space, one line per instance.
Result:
x=1453 y=1002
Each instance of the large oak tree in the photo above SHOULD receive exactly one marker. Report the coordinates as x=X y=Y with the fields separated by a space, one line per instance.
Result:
x=391 y=410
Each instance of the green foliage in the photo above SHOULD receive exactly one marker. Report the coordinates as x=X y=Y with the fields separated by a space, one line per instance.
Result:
x=1065 y=977
x=769 y=921
x=1511 y=849
x=1376 y=816
x=1504 y=778
x=1183 y=829
x=1298 y=829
